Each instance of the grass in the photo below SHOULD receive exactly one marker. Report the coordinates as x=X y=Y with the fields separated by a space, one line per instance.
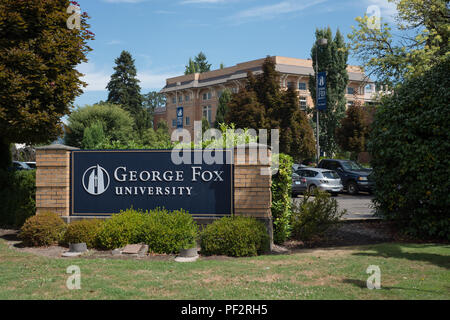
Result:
x=408 y=271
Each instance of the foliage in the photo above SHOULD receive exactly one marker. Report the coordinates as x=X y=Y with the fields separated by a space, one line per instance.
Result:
x=234 y=236
x=205 y=125
x=332 y=59
x=222 y=109
x=17 y=197
x=43 y=229
x=38 y=75
x=281 y=199
x=420 y=42
x=353 y=133
x=245 y=111
x=169 y=231
x=410 y=144
x=93 y=136
x=313 y=217
x=125 y=91
x=126 y=227
x=86 y=231
x=117 y=123
x=151 y=101
x=164 y=231
x=199 y=64
x=263 y=105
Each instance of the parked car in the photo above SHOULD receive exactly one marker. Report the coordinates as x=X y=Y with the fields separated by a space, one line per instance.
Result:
x=31 y=164
x=323 y=179
x=298 y=184
x=19 y=165
x=297 y=166
x=354 y=177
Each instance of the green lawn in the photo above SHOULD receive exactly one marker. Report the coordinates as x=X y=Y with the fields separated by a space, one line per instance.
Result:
x=408 y=271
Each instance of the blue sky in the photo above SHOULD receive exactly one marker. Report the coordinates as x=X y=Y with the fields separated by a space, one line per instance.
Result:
x=161 y=35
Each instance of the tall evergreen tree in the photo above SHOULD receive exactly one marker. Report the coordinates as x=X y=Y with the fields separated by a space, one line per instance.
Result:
x=332 y=59
x=125 y=91
x=222 y=109
x=199 y=64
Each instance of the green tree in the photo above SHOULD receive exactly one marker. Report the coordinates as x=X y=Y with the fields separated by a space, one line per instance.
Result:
x=245 y=111
x=199 y=64
x=38 y=76
x=332 y=59
x=125 y=91
x=93 y=136
x=420 y=42
x=410 y=144
x=151 y=101
x=205 y=124
x=222 y=109
x=264 y=105
x=353 y=133
x=191 y=67
x=117 y=123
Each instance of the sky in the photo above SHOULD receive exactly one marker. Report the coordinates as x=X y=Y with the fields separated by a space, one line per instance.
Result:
x=162 y=35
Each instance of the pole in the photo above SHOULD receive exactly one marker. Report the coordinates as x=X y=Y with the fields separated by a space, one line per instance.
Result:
x=317 y=108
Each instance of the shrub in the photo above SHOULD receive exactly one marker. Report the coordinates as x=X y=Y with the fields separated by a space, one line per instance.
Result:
x=314 y=217
x=281 y=199
x=170 y=231
x=234 y=236
x=43 y=229
x=164 y=231
x=17 y=197
x=124 y=228
x=83 y=231
x=410 y=144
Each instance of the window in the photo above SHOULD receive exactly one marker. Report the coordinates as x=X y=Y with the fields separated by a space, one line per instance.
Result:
x=351 y=103
x=187 y=98
x=174 y=123
x=180 y=98
x=302 y=86
x=219 y=93
x=350 y=90
x=303 y=103
x=234 y=90
x=290 y=85
x=188 y=121
x=207 y=113
x=174 y=100
x=207 y=96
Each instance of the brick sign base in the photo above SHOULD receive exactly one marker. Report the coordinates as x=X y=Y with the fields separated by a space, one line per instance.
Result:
x=252 y=192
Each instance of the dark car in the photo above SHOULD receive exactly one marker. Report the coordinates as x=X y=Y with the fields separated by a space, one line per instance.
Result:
x=298 y=184
x=354 y=177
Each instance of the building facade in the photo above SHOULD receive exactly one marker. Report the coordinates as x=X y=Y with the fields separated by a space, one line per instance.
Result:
x=198 y=94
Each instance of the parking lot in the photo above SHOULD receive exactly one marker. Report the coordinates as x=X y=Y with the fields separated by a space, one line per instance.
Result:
x=358 y=206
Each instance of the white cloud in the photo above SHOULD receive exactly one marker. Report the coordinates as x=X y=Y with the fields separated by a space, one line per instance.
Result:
x=272 y=11
x=97 y=78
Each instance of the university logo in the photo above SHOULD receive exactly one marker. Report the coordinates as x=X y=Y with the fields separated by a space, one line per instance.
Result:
x=95 y=180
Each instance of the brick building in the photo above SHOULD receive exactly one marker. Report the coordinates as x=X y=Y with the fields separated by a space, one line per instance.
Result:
x=199 y=93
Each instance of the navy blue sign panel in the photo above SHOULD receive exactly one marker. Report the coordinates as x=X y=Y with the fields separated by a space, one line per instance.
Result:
x=180 y=117
x=105 y=182
x=322 y=91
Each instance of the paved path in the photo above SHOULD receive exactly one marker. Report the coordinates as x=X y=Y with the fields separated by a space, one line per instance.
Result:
x=358 y=207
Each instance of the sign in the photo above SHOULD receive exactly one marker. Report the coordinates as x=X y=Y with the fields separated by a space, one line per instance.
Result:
x=322 y=91
x=105 y=182
x=179 y=117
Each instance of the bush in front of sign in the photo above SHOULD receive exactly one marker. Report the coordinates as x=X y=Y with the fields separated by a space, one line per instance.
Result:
x=84 y=231
x=43 y=229
x=234 y=236
x=169 y=231
x=124 y=228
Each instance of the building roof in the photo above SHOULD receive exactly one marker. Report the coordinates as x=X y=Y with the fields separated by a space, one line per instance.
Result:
x=283 y=65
